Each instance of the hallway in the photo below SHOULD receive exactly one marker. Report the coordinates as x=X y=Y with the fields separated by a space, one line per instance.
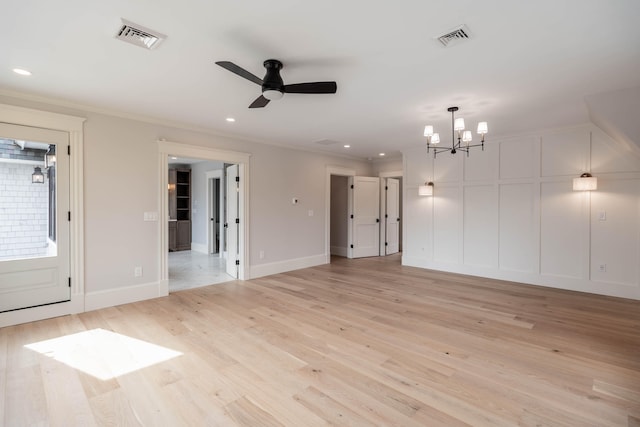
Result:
x=189 y=269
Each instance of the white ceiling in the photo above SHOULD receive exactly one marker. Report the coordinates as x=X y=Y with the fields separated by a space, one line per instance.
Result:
x=528 y=66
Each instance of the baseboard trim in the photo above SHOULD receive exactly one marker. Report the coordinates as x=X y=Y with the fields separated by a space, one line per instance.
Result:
x=339 y=251
x=288 y=265
x=200 y=247
x=125 y=295
x=570 y=284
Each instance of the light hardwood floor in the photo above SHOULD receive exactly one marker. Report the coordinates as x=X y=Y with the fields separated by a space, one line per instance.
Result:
x=354 y=343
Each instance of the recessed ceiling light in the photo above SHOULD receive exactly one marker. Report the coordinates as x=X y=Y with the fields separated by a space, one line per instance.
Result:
x=22 y=72
x=346 y=146
x=231 y=119
x=381 y=154
x=174 y=158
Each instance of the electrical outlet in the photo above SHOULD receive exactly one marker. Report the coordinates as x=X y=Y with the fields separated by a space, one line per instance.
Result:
x=137 y=272
x=602 y=268
x=310 y=212
x=294 y=201
x=602 y=216
x=261 y=255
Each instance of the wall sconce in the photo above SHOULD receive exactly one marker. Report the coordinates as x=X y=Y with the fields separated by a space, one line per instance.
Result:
x=586 y=182
x=37 y=177
x=426 y=189
x=50 y=157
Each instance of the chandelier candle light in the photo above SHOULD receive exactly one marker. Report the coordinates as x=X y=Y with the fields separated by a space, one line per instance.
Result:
x=464 y=136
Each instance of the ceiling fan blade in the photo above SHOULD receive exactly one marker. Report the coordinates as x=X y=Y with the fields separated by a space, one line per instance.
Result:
x=315 y=87
x=260 y=102
x=239 y=71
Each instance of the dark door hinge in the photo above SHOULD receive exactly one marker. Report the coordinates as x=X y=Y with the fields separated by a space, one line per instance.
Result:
x=69 y=281
x=237 y=179
x=69 y=150
x=237 y=220
x=351 y=246
x=69 y=216
x=237 y=262
x=386 y=244
x=352 y=186
x=351 y=216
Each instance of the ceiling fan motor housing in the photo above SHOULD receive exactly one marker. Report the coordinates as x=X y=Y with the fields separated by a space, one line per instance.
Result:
x=272 y=80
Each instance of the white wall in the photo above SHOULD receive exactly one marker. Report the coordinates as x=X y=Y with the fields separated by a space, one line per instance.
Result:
x=121 y=184
x=510 y=212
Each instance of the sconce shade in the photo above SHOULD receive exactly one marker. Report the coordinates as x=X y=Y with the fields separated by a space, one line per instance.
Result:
x=435 y=139
x=50 y=157
x=428 y=130
x=458 y=124
x=585 y=182
x=426 y=189
x=37 y=177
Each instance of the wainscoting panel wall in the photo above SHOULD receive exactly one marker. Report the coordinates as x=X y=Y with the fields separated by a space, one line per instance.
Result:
x=510 y=212
x=517 y=228
x=561 y=214
x=480 y=226
x=517 y=157
x=446 y=233
x=615 y=232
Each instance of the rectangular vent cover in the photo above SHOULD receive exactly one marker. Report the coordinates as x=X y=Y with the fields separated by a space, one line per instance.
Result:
x=455 y=35
x=139 y=35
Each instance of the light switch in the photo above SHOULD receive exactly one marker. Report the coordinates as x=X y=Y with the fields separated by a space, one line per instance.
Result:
x=602 y=216
x=151 y=216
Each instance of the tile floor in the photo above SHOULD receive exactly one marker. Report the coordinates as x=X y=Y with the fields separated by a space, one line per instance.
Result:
x=189 y=269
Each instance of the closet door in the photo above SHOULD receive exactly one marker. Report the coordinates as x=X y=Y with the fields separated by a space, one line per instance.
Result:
x=392 y=216
x=364 y=217
x=232 y=220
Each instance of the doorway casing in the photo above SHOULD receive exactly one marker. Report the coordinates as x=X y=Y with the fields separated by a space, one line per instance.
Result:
x=74 y=126
x=166 y=148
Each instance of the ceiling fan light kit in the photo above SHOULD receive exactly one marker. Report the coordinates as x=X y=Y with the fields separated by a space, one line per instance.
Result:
x=273 y=87
x=464 y=136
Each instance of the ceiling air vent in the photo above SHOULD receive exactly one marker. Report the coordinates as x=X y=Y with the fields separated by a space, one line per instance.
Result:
x=139 y=35
x=454 y=36
x=326 y=142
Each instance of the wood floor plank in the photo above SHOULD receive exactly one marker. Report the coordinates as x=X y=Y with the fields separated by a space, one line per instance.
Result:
x=354 y=342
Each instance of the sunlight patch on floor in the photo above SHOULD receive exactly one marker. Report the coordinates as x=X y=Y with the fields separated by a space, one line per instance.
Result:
x=103 y=354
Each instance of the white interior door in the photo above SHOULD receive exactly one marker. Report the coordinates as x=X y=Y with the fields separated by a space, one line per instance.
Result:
x=364 y=217
x=34 y=218
x=392 y=216
x=232 y=220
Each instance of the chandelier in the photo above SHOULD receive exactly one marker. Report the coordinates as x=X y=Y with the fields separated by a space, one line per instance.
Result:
x=464 y=136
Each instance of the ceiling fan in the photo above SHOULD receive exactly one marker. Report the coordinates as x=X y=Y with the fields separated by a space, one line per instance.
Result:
x=272 y=85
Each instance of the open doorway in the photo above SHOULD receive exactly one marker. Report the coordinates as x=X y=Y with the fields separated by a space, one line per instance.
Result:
x=353 y=232
x=200 y=201
x=195 y=198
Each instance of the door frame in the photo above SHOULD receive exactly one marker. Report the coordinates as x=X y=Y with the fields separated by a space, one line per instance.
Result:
x=383 y=209
x=331 y=170
x=166 y=148
x=74 y=127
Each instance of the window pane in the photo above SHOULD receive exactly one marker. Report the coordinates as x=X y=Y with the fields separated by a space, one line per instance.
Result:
x=27 y=200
